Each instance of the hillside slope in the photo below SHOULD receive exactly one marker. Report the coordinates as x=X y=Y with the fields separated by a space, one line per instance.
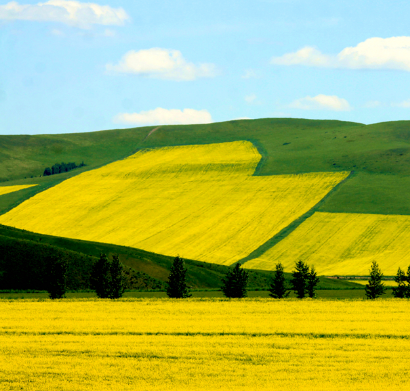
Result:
x=378 y=155
x=199 y=201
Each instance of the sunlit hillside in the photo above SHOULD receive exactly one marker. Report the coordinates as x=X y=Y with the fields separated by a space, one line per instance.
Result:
x=343 y=244
x=198 y=201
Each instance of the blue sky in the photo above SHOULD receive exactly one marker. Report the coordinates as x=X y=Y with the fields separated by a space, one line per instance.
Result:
x=70 y=66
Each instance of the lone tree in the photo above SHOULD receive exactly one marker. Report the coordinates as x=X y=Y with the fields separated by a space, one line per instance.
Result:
x=117 y=281
x=234 y=284
x=277 y=287
x=312 y=281
x=100 y=277
x=57 y=278
x=299 y=279
x=177 y=286
x=375 y=288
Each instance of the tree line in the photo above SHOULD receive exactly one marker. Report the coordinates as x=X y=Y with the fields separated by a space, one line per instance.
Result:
x=303 y=283
x=108 y=281
x=58 y=168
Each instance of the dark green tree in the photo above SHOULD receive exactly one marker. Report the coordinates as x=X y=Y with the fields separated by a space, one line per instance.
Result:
x=100 y=277
x=299 y=279
x=407 y=294
x=375 y=288
x=400 y=291
x=117 y=280
x=312 y=281
x=57 y=277
x=278 y=289
x=234 y=284
x=47 y=171
x=177 y=286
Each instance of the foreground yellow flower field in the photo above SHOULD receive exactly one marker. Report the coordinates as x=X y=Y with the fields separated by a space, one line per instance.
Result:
x=196 y=344
x=343 y=244
x=11 y=189
x=198 y=201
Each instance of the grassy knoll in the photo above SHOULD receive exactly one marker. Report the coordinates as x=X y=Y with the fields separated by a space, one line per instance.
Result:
x=199 y=344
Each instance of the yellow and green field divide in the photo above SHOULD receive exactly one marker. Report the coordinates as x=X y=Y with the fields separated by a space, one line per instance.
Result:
x=343 y=244
x=198 y=201
x=11 y=189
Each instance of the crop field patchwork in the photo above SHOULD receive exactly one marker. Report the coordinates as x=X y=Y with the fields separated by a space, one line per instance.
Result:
x=343 y=244
x=197 y=344
x=11 y=189
x=198 y=201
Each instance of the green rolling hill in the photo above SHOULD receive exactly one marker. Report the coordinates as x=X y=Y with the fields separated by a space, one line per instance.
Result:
x=377 y=155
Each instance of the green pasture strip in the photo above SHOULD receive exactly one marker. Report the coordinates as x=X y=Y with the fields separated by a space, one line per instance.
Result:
x=379 y=193
x=336 y=294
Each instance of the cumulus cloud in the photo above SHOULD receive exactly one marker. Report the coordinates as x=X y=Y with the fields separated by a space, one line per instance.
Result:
x=374 y=53
x=161 y=64
x=372 y=104
x=161 y=116
x=73 y=13
x=405 y=104
x=250 y=98
x=321 y=102
x=250 y=74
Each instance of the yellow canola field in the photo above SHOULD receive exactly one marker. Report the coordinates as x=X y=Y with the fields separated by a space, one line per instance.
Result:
x=198 y=201
x=11 y=189
x=343 y=244
x=193 y=344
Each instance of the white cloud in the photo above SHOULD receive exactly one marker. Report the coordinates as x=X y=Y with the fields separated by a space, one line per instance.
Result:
x=321 y=102
x=73 y=13
x=374 y=53
x=57 y=32
x=162 y=64
x=372 y=104
x=306 y=56
x=405 y=104
x=109 y=33
x=161 y=116
x=250 y=74
x=250 y=98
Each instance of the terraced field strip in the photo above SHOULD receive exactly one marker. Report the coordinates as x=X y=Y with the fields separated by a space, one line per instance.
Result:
x=204 y=344
x=343 y=244
x=11 y=189
x=198 y=201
